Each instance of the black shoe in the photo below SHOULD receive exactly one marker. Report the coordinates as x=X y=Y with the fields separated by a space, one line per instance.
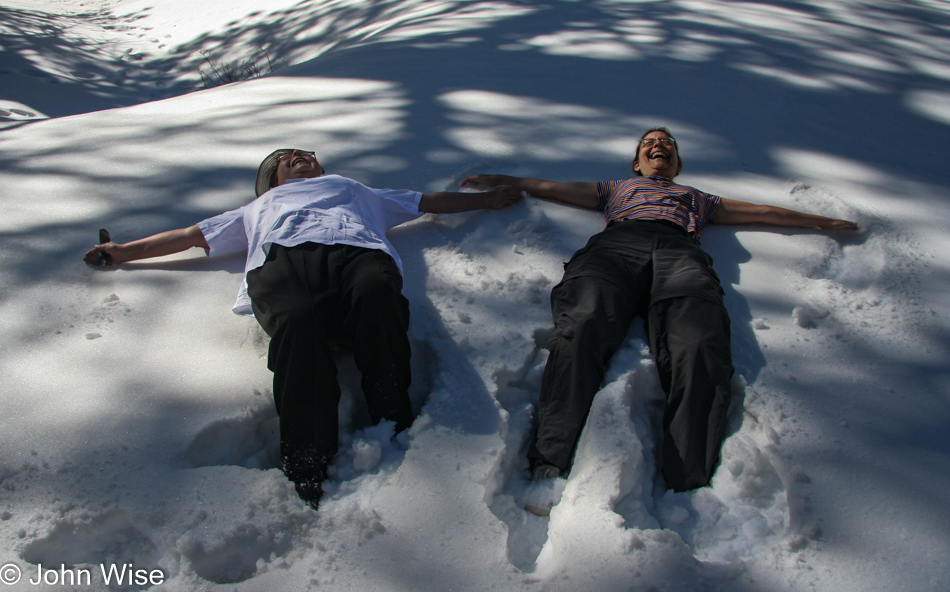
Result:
x=310 y=492
x=307 y=470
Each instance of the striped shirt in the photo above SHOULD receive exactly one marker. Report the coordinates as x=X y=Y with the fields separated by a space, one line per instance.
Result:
x=659 y=198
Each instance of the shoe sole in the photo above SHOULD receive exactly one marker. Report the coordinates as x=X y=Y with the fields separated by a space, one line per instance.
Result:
x=537 y=510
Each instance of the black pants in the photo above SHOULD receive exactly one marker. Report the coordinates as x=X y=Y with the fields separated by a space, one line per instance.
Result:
x=651 y=270
x=312 y=296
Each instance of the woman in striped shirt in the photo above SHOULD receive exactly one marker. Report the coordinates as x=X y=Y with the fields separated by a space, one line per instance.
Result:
x=647 y=262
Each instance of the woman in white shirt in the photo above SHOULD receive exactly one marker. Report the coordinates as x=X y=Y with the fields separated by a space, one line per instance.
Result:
x=319 y=271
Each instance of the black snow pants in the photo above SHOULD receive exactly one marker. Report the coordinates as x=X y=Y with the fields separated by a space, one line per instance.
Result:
x=655 y=270
x=308 y=298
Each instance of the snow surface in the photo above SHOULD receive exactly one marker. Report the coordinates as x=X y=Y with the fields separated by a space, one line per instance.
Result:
x=138 y=426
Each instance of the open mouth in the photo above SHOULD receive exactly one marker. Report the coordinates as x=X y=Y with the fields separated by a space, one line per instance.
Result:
x=294 y=162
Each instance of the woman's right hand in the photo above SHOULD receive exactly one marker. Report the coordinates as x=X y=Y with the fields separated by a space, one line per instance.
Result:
x=104 y=255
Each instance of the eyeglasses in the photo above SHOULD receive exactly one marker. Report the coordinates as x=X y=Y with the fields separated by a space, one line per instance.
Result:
x=286 y=156
x=652 y=141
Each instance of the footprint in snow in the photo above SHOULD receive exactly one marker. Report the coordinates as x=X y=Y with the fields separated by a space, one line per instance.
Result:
x=114 y=538
x=517 y=392
x=110 y=309
x=250 y=440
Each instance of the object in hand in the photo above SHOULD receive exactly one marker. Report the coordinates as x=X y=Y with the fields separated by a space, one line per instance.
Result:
x=104 y=257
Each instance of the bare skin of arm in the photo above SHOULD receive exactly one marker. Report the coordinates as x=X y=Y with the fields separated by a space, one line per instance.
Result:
x=182 y=239
x=733 y=211
x=452 y=202
x=157 y=245
x=574 y=193
x=730 y=211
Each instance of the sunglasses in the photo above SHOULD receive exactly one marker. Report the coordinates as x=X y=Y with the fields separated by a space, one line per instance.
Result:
x=664 y=141
x=288 y=155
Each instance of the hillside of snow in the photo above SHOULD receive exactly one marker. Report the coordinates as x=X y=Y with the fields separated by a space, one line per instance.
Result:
x=138 y=427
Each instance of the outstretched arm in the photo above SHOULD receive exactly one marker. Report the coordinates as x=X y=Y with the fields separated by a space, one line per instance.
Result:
x=157 y=245
x=453 y=202
x=574 y=193
x=733 y=211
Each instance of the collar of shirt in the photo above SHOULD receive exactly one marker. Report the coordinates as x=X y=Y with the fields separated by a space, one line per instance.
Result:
x=295 y=180
x=663 y=181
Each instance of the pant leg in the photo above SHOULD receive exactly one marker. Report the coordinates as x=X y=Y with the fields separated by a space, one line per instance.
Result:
x=591 y=319
x=376 y=321
x=292 y=298
x=690 y=338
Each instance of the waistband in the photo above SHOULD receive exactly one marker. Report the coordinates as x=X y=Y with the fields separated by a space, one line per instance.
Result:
x=668 y=223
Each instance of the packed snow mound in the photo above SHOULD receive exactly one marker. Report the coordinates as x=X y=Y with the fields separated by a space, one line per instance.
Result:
x=138 y=426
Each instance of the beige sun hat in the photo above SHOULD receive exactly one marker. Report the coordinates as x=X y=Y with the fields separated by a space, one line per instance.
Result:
x=265 y=173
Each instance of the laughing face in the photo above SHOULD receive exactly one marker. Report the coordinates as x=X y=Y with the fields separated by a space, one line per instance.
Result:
x=657 y=155
x=298 y=164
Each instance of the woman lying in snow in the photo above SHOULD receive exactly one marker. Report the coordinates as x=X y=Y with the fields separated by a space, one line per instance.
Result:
x=646 y=262
x=319 y=271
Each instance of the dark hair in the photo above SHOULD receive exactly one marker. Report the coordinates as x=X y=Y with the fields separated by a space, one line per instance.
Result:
x=659 y=128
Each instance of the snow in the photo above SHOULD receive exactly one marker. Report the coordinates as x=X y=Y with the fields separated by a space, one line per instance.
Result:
x=138 y=426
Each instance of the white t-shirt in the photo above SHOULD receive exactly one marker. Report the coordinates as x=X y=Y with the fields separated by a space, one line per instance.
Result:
x=329 y=209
